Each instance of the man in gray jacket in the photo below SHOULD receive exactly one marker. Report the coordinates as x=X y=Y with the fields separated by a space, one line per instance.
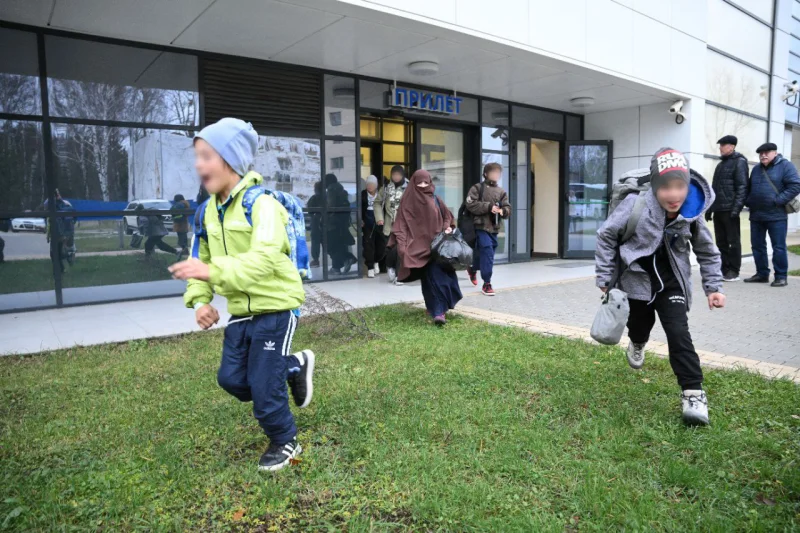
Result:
x=656 y=269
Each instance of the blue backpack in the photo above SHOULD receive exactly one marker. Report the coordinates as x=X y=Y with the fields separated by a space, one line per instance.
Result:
x=295 y=228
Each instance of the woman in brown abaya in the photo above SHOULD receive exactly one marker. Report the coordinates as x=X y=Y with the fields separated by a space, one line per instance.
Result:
x=423 y=215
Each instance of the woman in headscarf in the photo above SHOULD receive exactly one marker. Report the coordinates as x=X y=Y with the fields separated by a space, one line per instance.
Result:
x=421 y=216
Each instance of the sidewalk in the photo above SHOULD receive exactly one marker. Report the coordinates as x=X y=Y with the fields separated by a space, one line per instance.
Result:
x=36 y=331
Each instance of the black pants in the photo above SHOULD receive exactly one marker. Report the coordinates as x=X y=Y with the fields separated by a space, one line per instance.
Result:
x=374 y=245
x=729 y=241
x=156 y=242
x=2 y=248
x=316 y=243
x=671 y=308
x=183 y=240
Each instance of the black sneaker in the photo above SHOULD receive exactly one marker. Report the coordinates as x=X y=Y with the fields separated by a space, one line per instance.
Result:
x=756 y=279
x=779 y=282
x=302 y=383
x=278 y=456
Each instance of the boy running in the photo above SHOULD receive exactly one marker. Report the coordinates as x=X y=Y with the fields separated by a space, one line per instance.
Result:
x=247 y=262
x=656 y=268
x=489 y=206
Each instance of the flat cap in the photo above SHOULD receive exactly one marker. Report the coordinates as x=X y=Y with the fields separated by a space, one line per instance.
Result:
x=767 y=147
x=729 y=139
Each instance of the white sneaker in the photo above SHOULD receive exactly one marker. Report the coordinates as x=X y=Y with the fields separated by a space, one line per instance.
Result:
x=370 y=273
x=695 y=407
x=392 y=275
x=636 y=355
x=398 y=283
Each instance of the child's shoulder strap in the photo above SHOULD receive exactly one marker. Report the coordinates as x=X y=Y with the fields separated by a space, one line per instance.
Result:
x=199 y=220
x=249 y=199
x=633 y=220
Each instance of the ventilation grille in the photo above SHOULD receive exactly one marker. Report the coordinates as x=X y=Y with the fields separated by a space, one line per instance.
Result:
x=268 y=97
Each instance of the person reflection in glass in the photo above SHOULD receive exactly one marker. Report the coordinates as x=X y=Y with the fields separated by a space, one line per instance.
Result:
x=152 y=227
x=339 y=237
x=180 y=224
x=317 y=201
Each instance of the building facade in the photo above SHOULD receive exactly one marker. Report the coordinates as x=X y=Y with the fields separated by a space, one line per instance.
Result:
x=99 y=102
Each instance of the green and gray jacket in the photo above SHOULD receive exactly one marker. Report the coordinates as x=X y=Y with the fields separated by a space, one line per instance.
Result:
x=250 y=264
x=387 y=203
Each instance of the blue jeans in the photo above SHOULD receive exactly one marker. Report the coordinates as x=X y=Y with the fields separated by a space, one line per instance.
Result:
x=483 y=256
x=254 y=367
x=777 y=235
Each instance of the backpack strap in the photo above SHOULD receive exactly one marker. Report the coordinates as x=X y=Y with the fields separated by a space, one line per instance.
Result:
x=633 y=220
x=199 y=229
x=249 y=199
x=480 y=194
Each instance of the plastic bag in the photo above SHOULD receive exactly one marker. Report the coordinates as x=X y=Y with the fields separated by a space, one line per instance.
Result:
x=451 y=250
x=612 y=317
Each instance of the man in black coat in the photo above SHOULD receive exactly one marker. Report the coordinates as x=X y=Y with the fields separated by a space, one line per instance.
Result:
x=730 y=188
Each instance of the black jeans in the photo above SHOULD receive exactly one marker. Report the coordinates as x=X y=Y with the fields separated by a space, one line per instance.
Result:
x=671 y=308
x=156 y=242
x=729 y=241
x=183 y=240
x=374 y=245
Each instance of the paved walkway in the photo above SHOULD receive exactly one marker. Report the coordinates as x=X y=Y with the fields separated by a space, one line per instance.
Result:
x=758 y=329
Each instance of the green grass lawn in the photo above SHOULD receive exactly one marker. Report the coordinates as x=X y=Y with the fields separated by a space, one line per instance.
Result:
x=37 y=274
x=795 y=249
x=468 y=428
x=110 y=243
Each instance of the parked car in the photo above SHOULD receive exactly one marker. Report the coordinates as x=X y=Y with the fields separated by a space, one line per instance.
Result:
x=28 y=224
x=129 y=223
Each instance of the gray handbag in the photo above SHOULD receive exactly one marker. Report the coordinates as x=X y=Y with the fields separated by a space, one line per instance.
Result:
x=793 y=206
x=612 y=317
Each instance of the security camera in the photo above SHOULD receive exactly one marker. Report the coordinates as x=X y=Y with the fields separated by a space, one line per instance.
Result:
x=792 y=88
x=675 y=109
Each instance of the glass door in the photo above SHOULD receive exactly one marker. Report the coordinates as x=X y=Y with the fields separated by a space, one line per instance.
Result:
x=587 y=187
x=440 y=151
x=519 y=225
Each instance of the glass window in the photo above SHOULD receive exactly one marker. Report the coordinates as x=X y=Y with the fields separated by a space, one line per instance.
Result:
x=760 y=8
x=751 y=132
x=728 y=25
x=289 y=164
x=574 y=132
x=794 y=46
x=443 y=156
x=102 y=168
x=791 y=113
x=372 y=95
x=494 y=114
x=19 y=73
x=795 y=8
x=370 y=129
x=394 y=131
x=538 y=120
x=587 y=195
x=340 y=105
x=794 y=62
x=736 y=85
x=341 y=232
x=21 y=166
x=795 y=27
x=502 y=237
x=394 y=153
x=340 y=175
x=468 y=111
x=494 y=139
x=100 y=81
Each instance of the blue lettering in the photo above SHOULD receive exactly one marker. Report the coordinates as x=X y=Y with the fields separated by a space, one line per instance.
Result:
x=413 y=98
x=439 y=103
x=399 y=96
x=427 y=101
x=458 y=105
x=449 y=107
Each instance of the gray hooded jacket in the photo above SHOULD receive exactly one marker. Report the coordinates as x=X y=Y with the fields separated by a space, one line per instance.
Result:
x=651 y=231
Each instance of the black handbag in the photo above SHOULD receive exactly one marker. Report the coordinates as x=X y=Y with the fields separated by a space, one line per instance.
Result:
x=466 y=223
x=136 y=240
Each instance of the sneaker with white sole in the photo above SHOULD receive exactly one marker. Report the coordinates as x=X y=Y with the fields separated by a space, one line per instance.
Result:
x=370 y=273
x=392 y=274
x=636 y=354
x=695 y=407
x=278 y=456
x=301 y=383
x=731 y=276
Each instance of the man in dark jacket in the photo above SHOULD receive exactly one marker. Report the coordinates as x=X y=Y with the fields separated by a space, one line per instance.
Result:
x=730 y=186
x=489 y=206
x=773 y=184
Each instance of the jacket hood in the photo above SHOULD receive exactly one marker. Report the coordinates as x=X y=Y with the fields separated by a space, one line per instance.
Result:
x=733 y=155
x=775 y=162
x=699 y=199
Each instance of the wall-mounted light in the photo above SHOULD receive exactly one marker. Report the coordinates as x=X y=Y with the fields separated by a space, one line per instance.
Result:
x=423 y=68
x=582 y=101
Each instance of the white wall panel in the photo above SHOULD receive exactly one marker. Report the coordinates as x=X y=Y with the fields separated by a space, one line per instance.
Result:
x=652 y=51
x=444 y=10
x=620 y=126
x=609 y=36
x=658 y=129
x=687 y=64
x=691 y=17
x=660 y=10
